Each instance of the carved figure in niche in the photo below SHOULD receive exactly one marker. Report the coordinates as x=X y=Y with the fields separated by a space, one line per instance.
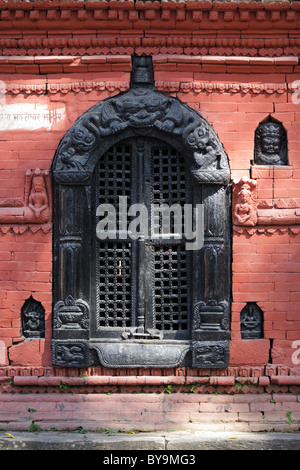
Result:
x=33 y=319
x=251 y=321
x=142 y=71
x=36 y=207
x=38 y=200
x=270 y=144
x=244 y=208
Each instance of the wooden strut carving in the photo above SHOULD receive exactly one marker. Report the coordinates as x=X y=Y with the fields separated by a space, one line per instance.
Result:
x=36 y=206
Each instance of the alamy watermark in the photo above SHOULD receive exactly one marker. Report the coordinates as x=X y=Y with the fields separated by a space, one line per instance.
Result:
x=296 y=93
x=2 y=353
x=296 y=354
x=2 y=92
x=162 y=223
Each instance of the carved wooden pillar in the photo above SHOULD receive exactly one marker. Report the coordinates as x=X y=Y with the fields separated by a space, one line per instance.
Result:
x=71 y=295
x=211 y=311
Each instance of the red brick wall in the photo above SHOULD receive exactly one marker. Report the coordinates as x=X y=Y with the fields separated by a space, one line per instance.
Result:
x=145 y=412
x=265 y=259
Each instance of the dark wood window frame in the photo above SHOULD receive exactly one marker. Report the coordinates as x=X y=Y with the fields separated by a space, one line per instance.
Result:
x=143 y=117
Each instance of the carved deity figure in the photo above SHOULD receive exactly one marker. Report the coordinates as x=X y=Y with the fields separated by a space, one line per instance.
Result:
x=251 y=321
x=35 y=208
x=38 y=200
x=270 y=144
x=244 y=208
x=33 y=319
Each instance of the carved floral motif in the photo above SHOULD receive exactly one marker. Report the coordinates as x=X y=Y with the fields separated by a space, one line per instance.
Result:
x=71 y=314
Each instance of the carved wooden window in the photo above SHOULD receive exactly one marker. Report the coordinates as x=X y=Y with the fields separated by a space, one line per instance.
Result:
x=147 y=301
x=143 y=285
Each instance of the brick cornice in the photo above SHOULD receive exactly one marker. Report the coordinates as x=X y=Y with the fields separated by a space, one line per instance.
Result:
x=124 y=14
x=197 y=86
x=89 y=44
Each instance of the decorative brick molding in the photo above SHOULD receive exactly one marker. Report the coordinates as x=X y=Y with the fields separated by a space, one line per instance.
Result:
x=20 y=228
x=165 y=86
x=153 y=44
x=140 y=376
x=131 y=14
x=265 y=230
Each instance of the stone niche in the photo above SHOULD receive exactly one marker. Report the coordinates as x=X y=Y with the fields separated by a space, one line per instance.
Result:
x=251 y=321
x=270 y=144
x=33 y=319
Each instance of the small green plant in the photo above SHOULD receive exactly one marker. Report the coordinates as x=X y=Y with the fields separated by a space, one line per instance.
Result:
x=168 y=389
x=239 y=386
x=272 y=400
x=79 y=430
x=111 y=431
x=31 y=410
x=192 y=388
x=289 y=417
x=34 y=427
x=215 y=392
x=63 y=387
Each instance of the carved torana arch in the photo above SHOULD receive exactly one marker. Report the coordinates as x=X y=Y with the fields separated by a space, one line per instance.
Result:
x=142 y=112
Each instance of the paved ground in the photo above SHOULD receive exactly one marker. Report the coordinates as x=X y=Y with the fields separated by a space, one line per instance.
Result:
x=170 y=441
